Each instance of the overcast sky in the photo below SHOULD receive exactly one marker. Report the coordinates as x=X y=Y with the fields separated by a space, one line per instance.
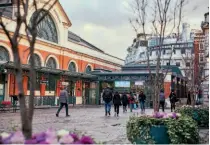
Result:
x=104 y=23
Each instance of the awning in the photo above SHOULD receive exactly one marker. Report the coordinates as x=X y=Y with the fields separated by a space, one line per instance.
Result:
x=26 y=67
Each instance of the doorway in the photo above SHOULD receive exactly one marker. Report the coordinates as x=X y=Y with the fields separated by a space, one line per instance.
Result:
x=2 y=87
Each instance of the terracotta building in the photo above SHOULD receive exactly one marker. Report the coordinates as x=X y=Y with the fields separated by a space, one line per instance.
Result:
x=61 y=58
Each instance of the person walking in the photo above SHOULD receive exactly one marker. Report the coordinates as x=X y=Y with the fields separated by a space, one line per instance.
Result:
x=131 y=101
x=162 y=100
x=173 y=100
x=125 y=102
x=188 y=98
x=107 y=98
x=63 y=98
x=142 y=99
x=117 y=103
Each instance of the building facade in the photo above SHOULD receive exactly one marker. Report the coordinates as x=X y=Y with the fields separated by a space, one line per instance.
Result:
x=61 y=57
x=205 y=28
x=174 y=51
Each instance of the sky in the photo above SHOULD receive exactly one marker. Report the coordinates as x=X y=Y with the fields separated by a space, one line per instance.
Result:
x=105 y=23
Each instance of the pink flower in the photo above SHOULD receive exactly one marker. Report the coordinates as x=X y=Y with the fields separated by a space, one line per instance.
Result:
x=18 y=138
x=67 y=139
x=51 y=140
x=51 y=133
x=86 y=140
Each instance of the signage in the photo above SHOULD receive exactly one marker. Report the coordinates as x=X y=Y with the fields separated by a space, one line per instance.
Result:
x=139 y=83
x=64 y=83
x=122 y=84
x=44 y=82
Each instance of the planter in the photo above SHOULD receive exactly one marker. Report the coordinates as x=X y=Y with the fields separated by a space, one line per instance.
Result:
x=159 y=134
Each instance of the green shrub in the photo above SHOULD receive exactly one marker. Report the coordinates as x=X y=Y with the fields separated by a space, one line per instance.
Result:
x=199 y=114
x=182 y=130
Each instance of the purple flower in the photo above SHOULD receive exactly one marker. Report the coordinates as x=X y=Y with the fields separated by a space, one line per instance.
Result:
x=77 y=142
x=8 y=139
x=75 y=137
x=40 y=137
x=31 y=141
x=43 y=142
x=17 y=138
x=86 y=140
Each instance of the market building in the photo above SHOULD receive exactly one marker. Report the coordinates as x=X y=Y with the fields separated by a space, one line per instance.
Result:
x=61 y=58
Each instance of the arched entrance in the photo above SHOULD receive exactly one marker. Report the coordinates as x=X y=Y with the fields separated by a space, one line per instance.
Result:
x=4 y=57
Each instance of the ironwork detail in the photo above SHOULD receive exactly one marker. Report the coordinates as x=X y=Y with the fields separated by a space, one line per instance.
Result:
x=51 y=63
x=72 y=67
x=37 y=60
x=4 y=55
x=46 y=29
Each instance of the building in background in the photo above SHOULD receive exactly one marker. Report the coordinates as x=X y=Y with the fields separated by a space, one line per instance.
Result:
x=61 y=58
x=205 y=28
x=173 y=49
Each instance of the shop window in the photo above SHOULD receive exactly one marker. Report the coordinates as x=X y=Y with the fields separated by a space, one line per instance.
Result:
x=177 y=63
x=183 y=51
x=188 y=64
x=164 y=51
x=37 y=84
x=51 y=85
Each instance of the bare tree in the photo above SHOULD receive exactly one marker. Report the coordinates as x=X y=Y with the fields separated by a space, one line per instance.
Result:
x=22 y=8
x=167 y=16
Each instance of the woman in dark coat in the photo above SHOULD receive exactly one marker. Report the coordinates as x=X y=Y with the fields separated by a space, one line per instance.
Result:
x=116 y=102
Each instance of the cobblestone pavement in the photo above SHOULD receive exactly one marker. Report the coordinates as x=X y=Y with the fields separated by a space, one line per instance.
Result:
x=87 y=120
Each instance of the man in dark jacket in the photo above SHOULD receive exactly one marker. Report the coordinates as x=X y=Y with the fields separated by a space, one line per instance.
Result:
x=63 y=101
x=173 y=100
x=125 y=102
x=107 y=97
x=117 y=103
x=142 y=99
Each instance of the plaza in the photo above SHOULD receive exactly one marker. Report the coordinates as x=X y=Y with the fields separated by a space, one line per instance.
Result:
x=90 y=121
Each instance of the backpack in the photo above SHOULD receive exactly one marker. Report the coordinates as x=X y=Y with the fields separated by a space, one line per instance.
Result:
x=107 y=93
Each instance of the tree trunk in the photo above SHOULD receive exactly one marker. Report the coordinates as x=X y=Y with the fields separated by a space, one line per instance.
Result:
x=26 y=127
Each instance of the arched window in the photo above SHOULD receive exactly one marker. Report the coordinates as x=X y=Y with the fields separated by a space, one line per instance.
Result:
x=37 y=60
x=72 y=67
x=4 y=54
x=88 y=69
x=46 y=29
x=51 y=63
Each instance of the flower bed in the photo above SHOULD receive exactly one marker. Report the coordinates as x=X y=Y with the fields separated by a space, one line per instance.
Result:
x=162 y=128
x=48 y=137
x=199 y=113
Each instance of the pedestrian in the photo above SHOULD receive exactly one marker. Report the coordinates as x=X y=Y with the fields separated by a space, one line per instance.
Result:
x=131 y=101
x=188 y=98
x=162 y=100
x=107 y=98
x=142 y=99
x=117 y=103
x=63 y=98
x=124 y=102
x=173 y=100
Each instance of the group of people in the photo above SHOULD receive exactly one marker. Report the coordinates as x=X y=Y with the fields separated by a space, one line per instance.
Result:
x=126 y=100
x=131 y=100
